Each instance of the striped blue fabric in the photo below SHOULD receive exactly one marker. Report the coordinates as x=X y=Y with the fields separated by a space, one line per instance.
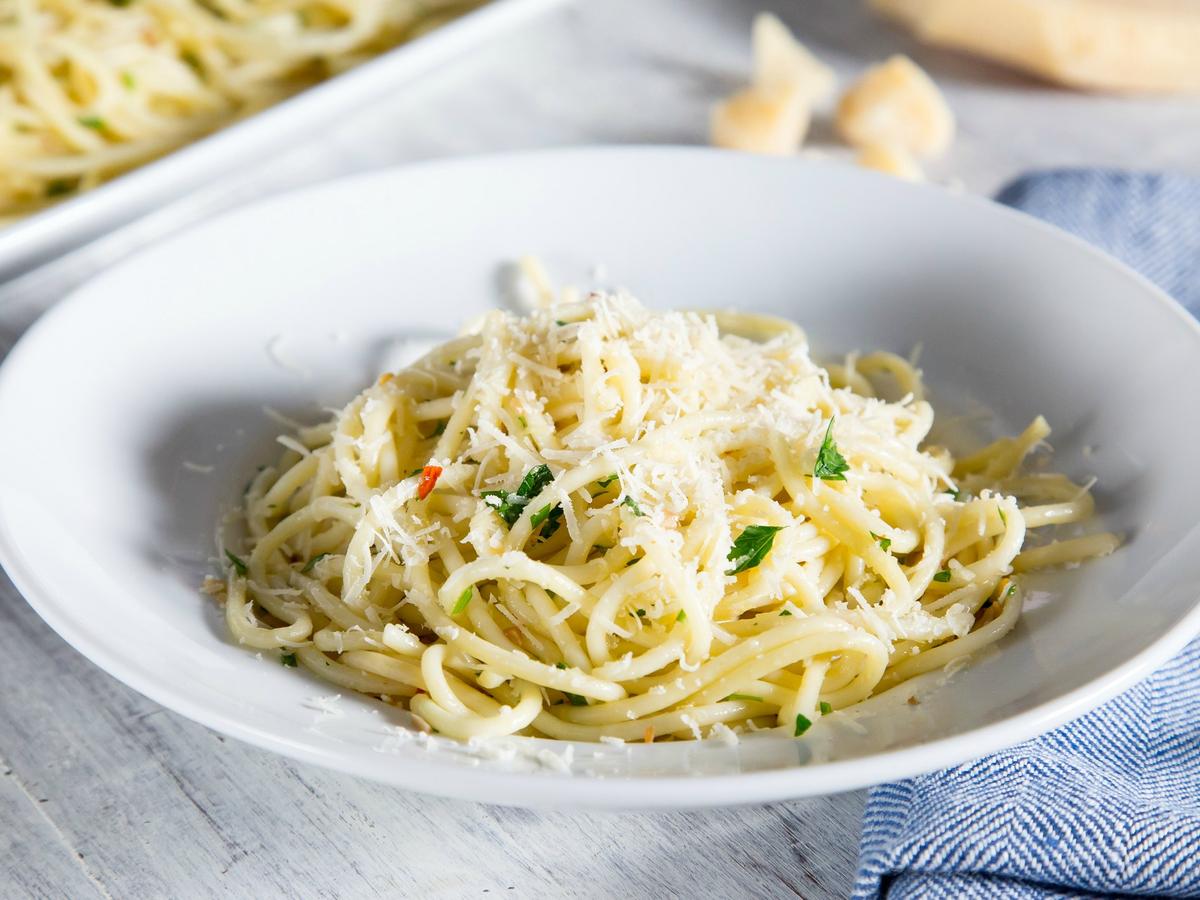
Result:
x=1109 y=804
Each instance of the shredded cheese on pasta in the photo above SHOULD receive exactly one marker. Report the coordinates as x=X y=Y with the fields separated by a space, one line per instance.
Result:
x=602 y=522
x=91 y=88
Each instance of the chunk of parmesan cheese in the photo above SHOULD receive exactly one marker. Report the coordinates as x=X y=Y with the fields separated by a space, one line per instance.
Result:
x=890 y=160
x=780 y=61
x=896 y=104
x=757 y=121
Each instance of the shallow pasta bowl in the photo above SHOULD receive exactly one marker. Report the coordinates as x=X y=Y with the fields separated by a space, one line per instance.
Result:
x=134 y=414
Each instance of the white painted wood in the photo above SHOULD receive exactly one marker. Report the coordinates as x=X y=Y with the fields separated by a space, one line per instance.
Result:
x=141 y=803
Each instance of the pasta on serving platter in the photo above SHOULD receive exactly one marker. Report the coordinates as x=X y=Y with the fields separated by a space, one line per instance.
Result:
x=92 y=88
x=600 y=522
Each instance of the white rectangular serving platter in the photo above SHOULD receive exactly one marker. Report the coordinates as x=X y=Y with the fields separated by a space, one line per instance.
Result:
x=44 y=235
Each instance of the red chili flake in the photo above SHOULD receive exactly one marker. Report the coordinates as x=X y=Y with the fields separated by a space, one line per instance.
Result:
x=429 y=477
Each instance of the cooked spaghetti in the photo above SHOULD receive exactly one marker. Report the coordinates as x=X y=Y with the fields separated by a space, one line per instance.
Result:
x=91 y=88
x=602 y=522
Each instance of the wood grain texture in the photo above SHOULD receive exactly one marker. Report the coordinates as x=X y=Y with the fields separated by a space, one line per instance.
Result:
x=109 y=794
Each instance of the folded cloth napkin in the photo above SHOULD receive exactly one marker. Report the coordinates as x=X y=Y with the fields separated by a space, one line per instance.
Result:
x=1109 y=804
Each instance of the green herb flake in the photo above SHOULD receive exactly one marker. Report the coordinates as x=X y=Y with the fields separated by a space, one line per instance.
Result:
x=288 y=659
x=884 y=543
x=942 y=576
x=93 y=122
x=831 y=465
x=510 y=504
x=190 y=58
x=605 y=482
x=416 y=472
x=441 y=428
x=826 y=708
x=308 y=566
x=120 y=2
x=576 y=700
x=641 y=613
x=60 y=186
x=559 y=322
x=521 y=419
x=803 y=723
x=682 y=615
x=238 y=565
x=1012 y=589
x=957 y=495
x=632 y=561
x=1003 y=517
x=749 y=697
x=128 y=81
x=751 y=547
x=786 y=612
x=633 y=505
x=463 y=599
x=560 y=665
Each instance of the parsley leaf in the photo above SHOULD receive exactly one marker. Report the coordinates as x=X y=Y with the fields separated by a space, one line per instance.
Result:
x=942 y=576
x=786 y=612
x=308 y=566
x=826 y=708
x=830 y=463
x=238 y=565
x=288 y=659
x=93 y=122
x=441 y=428
x=510 y=504
x=633 y=505
x=750 y=697
x=803 y=723
x=606 y=481
x=751 y=547
x=884 y=543
x=1003 y=517
x=463 y=599
x=682 y=615
x=60 y=186
x=641 y=613
x=560 y=665
x=128 y=80
x=575 y=699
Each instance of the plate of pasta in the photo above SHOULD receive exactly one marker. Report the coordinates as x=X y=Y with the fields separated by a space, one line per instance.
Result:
x=628 y=477
x=108 y=110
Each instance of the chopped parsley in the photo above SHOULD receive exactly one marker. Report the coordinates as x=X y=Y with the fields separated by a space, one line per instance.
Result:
x=238 y=565
x=93 y=122
x=120 y=2
x=803 y=723
x=751 y=547
x=192 y=60
x=682 y=615
x=605 y=482
x=560 y=665
x=288 y=659
x=633 y=505
x=510 y=504
x=749 y=697
x=128 y=80
x=884 y=543
x=60 y=186
x=786 y=612
x=1012 y=589
x=416 y=472
x=1003 y=517
x=831 y=465
x=441 y=428
x=641 y=613
x=575 y=699
x=559 y=322
x=308 y=566
x=826 y=708
x=521 y=419
x=463 y=599
x=957 y=495
x=942 y=576
x=551 y=514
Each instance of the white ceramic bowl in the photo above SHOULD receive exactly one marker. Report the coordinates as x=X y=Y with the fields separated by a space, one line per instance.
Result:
x=296 y=303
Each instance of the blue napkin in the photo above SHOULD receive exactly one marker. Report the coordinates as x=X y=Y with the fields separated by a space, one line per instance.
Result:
x=1109 y=804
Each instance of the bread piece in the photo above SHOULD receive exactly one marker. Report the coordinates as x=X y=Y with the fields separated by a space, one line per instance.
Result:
x=761 y=121
x=896 y=104
x=1119 y=45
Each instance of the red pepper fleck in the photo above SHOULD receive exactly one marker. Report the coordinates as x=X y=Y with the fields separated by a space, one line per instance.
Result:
x=429 y=477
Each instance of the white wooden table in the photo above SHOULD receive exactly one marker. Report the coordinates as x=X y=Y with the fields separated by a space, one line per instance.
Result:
x=103 y=793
